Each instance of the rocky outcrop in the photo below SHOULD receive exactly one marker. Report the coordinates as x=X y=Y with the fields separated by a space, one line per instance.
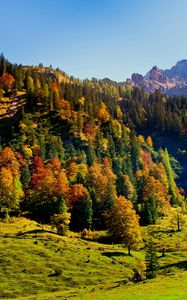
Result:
x=137 y=78
x=157 y=75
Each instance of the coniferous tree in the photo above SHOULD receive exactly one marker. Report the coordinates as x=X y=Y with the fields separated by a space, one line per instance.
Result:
x=88 y=213
x=135 y=153
x=90 y=154
x=81 y=211
x=149 y=214
x=151 y=260
x=2 y=65
x=25 y=176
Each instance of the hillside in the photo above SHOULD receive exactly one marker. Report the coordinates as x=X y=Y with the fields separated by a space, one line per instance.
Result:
x=82 y=171
x=36 y=263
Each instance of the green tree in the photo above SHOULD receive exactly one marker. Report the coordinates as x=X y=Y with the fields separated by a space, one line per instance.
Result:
x=2 y=65
x=81 y=208
x=61 y=219
x=170 y=174
x=90 y=154
x=149 y=213
x=135 y=152
x=88 y=213
x=110 y=195
x=82 y=215
x=151 y=259
x=25 y=175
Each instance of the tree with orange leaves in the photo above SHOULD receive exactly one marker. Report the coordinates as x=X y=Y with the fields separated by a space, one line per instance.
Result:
x=48 y=185
x=123 y=223
x=6 y=82
x=153 y=193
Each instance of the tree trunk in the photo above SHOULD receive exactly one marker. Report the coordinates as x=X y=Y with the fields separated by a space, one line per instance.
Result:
x=163 y=252
x=129 y=251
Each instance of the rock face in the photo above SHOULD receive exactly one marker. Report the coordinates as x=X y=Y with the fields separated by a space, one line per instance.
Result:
x=137 y=78
x=179 y=70
x=156 y=74
x=169 y=82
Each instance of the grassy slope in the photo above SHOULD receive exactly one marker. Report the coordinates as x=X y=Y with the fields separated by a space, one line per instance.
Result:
x=38 y=264
x=164 y=288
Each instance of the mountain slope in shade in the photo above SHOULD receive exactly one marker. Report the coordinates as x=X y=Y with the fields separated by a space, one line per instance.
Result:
x=169 y=82
x=179 y=70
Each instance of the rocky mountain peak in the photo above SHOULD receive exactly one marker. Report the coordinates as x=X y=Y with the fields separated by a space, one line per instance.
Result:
x=171 y=82
x=156 y=74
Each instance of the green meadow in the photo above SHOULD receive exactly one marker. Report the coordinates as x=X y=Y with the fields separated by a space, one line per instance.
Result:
x=36 y=263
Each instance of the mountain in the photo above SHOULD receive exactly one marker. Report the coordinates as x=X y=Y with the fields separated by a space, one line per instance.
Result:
x=170 y=82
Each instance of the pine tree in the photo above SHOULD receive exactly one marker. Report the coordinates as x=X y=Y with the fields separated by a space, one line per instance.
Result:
x=2 y=65
x=88 y=213
x=110 y=196
x=90 y=154
x=151 y=259
x=25 y=175
x=135 y=152
x=81 y=215
x=149 y=213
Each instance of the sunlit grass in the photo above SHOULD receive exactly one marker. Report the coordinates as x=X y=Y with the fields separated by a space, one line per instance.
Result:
x=36 y=263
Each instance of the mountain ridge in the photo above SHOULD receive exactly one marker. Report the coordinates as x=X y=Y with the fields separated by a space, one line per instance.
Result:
x=170 y=81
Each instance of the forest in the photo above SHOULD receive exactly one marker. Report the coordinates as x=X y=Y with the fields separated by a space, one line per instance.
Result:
x=80 y=154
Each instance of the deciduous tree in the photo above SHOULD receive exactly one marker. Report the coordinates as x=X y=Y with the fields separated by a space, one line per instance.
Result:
x=123 y=223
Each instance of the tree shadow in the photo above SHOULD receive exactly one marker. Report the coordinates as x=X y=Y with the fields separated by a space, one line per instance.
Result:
x=34 y=231
x=180 y=265
x=114 y=253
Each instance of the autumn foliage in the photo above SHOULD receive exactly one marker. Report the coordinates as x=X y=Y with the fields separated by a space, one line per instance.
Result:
x=70 y=156
x=123 y=223
x=6 y=82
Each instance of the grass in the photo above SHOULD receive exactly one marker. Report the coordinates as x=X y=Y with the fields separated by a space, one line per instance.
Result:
x=34 y=260
x=164 y=288
x=36 y=263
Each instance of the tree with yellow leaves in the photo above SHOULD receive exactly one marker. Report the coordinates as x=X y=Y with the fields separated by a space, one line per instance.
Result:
x=103 y=114
x=123 y=223
x=11 y=191
x=149 y=141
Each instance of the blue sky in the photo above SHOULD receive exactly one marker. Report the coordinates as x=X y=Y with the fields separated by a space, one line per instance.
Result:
x=95 y=38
